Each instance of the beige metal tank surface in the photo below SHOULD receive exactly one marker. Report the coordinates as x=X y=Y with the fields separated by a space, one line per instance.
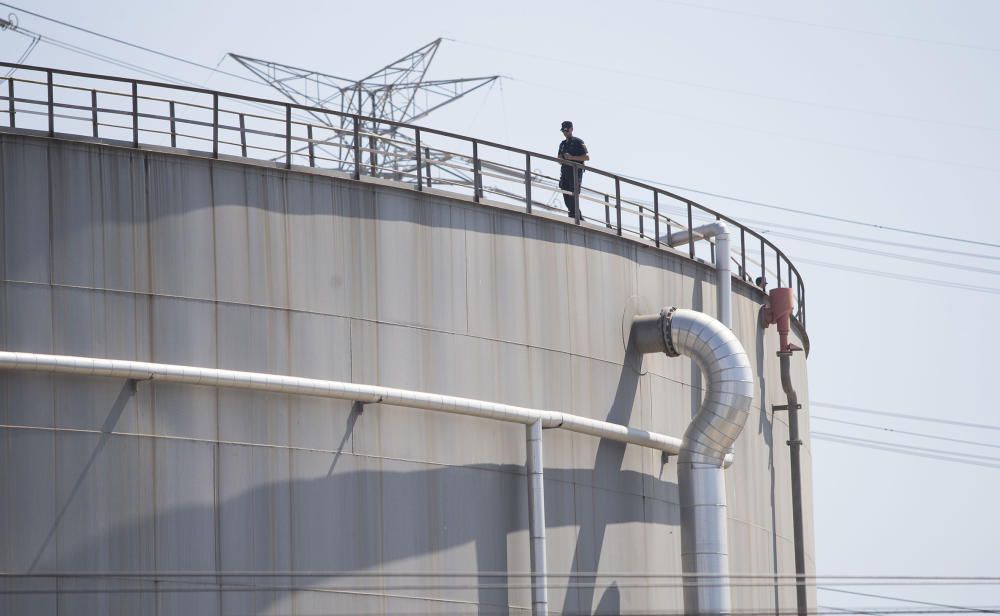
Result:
x=165 y=257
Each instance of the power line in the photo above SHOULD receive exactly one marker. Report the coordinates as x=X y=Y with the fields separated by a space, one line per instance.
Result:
x=905 y=600
x=133 y=45
x=891 y=255
x=849 y=221
x=918 y=452
x=905 y=278
x=770 y=133
x=944 y=452
x=870 y=240
x=702 y=86
x=799 y=22
x=858 y=409
x=905 y=432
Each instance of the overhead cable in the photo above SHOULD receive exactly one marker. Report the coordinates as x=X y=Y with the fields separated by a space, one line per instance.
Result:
x=123 y=42
x=858 y=409
x=912 y=601
x=849 y=221
x=905 y=432
x=919 y=452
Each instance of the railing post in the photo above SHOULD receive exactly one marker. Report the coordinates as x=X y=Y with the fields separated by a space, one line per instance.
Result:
x=135 y=114
x=656 y=217
x=357 y=148
x=10 y=102
x=618 y=203
x=475 y=172
x=427 y=157
x=312 y=152
x=536 y=519
x=173 y=126
x=288 y=136
x=527 y=182
x=243 y=136
x=642 y=233
x=373 y=156
x=802 y=302
x=52 y=107
x=743 y=253
x=420 y=162
x=215 y=125
x=777 y=260
x=93 y=113
x=763 y=264
x=690 y=231
x=607 y=211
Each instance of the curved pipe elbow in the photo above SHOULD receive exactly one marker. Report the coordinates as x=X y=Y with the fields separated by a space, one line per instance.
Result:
x=725 y=367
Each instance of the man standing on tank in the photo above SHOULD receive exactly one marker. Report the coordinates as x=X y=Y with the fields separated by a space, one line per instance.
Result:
x=571 y=148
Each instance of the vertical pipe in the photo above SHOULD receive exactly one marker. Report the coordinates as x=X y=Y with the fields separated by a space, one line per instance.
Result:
x=527 y=181
x=93 y=112
x=536 y=519
x=704 y=537
x=794 y=444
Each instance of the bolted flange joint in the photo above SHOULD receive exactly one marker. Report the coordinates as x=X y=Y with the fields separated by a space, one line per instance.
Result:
x=666 y=316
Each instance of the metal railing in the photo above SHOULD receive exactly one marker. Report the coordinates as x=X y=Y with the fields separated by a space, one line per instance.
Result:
x=138 y=113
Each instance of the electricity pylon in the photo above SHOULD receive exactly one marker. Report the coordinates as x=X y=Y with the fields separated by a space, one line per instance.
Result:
x=398 y=92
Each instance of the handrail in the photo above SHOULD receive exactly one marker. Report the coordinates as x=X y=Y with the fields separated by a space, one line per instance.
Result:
x=383 y=146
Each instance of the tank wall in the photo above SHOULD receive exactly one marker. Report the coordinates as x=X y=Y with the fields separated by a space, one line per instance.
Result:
x=160 y=257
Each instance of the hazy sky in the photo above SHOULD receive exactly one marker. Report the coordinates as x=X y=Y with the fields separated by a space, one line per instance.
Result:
x=882 y=112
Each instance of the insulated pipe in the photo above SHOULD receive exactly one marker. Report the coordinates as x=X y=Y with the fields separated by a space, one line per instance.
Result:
x=724 y=280
x=536 y=520
x=145 y=371
x=700 y=477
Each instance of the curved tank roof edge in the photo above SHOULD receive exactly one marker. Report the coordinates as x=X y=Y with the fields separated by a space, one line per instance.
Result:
x=755 y=292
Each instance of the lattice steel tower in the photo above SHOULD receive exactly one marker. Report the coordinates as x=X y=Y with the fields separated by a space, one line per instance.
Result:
x=397 y=92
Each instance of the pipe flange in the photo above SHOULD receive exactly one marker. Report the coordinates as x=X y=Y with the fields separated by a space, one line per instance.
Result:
x=666 y=315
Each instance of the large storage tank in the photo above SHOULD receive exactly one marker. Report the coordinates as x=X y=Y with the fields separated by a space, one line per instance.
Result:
x=121 y=498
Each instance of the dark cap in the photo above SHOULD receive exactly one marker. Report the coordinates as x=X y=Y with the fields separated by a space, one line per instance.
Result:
x=566 y=124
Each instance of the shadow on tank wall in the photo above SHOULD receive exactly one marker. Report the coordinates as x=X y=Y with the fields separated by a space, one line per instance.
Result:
x=426 y=511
